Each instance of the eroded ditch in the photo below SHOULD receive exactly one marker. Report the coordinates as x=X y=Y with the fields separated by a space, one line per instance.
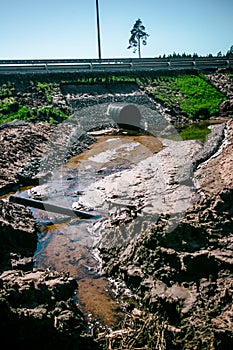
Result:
x=129 y=264
x=67 y=244
x=119 y=185
x=129 y=180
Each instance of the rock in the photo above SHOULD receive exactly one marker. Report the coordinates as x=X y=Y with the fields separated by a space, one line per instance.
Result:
x=133 y=276
x=226 y=106
x=136 y=312
x=14 y=124
x=19 y=263
x=223 y=82
x=39 y=192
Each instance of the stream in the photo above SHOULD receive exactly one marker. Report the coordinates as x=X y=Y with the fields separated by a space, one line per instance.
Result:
x=67 y=244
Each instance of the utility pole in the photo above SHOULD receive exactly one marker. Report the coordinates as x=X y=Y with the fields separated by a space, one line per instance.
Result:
x=98 y=28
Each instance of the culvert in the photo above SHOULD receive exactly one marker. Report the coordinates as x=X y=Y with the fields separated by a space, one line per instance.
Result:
x=126 y=116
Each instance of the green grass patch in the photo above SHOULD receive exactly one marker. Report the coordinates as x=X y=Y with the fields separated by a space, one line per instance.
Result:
x=194 y=95
x=51 y=114
x=6 y=90
x=10 y=110
x=23 y=114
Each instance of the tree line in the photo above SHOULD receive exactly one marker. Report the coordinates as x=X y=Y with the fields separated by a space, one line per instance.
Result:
x=229 y=54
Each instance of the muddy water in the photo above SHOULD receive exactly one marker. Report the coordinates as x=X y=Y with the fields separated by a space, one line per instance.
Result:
x=66 y=244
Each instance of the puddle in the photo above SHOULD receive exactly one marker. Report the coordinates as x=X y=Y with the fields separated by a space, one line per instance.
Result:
x=65 y=244
x=67 y=247
x=111 y=154
x=95 y=298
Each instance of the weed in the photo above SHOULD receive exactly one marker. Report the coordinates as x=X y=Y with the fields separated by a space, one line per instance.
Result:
x=6 y=90
x=48 y=89
x=21 y=113
x=51 y=113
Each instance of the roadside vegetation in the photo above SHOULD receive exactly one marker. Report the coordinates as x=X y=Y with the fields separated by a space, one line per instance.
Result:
x=191 y=95
x=33 y=106
x=10 y=110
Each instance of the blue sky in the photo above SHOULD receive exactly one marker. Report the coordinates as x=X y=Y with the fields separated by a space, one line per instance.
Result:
x=67 y=28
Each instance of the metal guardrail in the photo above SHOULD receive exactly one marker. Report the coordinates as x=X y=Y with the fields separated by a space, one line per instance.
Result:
x=120 y=64
x=111 y=60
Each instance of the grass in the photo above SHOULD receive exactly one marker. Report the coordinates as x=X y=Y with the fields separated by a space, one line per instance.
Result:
x=104 y=79
x=12 y=107
x=47 y=89
x=10 y=110
x=6 y=90
x=194 y=95
x=51 y=113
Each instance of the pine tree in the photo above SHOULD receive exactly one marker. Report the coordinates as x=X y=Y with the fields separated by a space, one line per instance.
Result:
x=138 y=36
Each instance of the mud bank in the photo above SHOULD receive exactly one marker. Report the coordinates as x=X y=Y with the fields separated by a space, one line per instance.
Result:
x=181 y=279
x=37 y=306
x=28 y=149
x=18 y=238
